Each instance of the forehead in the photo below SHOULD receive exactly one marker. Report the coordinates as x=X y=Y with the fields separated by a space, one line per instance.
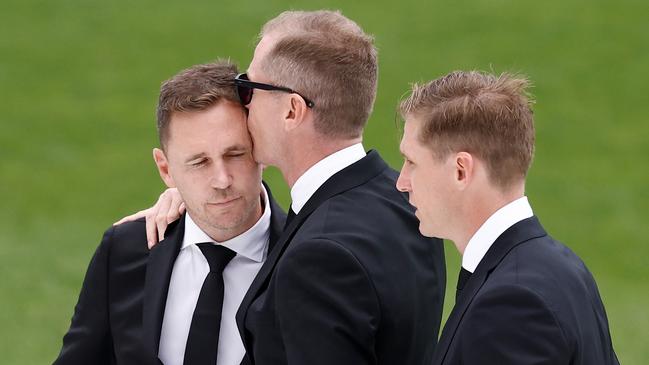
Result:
x=410 y=139
x=263 y=48
x=219 y=126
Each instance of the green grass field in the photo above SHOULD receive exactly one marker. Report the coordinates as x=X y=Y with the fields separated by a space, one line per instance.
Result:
x=79 y=83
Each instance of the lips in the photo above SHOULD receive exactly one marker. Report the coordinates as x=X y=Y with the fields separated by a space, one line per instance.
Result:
x=225 y=202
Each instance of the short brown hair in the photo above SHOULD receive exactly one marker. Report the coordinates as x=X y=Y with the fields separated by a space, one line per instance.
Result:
x=194 y=89
x=486 y=115
x=330 y=60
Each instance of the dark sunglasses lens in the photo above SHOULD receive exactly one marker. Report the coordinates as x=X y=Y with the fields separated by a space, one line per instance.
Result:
x=245 y=94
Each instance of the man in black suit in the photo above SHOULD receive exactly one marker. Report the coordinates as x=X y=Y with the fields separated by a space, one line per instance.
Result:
x=522 y=297
x=350 y=281
x=176 y=303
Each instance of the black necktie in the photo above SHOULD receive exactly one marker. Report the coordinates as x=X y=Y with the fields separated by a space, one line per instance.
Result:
x=461 y=281
x=289 y=217
x=203 y=339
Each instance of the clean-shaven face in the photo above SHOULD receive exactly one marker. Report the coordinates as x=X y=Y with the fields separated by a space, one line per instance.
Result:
x=210 y=160
x=428 y=182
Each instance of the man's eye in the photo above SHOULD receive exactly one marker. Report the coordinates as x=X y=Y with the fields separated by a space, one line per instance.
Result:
x=236 y=154
x=198 y=163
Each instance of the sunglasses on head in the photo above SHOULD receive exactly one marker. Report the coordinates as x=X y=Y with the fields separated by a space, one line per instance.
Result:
x=245 y=88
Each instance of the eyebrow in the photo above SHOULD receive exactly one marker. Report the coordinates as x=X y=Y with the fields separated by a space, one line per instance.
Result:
x=194 y=157
x=236 y=147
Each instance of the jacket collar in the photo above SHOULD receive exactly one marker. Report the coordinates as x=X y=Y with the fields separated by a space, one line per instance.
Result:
x=520 y=232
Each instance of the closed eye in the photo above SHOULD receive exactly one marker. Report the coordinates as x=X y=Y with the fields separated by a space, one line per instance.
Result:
x=198 y=163
x=237 y=153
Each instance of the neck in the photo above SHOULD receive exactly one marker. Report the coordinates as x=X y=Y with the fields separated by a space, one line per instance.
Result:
x=475 y=215
x=306 y=154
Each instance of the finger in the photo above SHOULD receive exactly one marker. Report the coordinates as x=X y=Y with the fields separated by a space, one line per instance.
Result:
x=161 y=226
x=174 y=208
x=163 y=205
x=130 y=218
x=182 y=208
x=151 y=230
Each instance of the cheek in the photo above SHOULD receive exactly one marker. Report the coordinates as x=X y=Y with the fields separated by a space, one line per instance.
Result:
x=415 y=185
x=195 y=183
x=247 y=173
x=424 y=189
x=253 y=128
x=255 y=111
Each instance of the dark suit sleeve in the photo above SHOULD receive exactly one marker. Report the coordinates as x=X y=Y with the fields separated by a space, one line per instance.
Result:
x=88 y=340
x=510 y=324
x=327 y=308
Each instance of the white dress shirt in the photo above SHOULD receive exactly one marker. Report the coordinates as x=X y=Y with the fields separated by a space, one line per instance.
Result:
x=307 y=184
x=492 y=228
x=189 y=272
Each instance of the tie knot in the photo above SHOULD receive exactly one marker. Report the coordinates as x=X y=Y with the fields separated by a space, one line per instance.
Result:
x=217 y=256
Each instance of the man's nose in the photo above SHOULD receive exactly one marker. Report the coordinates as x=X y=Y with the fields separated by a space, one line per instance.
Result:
x=403 y=182
x=221 y=178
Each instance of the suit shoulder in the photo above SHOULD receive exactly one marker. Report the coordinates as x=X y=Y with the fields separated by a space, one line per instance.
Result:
x=544 y=259
x=131 y=228
x=375 y=198
x=553 y=272
x=126 y=239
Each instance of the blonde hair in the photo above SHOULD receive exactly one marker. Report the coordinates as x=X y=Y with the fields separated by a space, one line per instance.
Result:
x=486 y=115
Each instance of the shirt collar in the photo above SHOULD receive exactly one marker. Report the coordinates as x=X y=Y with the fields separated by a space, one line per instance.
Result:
x=307 y=184
x=492 y=228
x=251 y=243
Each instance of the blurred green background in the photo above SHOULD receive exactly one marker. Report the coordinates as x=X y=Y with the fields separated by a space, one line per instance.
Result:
x=79 y=82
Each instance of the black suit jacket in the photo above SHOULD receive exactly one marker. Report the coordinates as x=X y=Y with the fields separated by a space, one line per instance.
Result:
x=351 y=280
x=118 y=317
x=531 y=300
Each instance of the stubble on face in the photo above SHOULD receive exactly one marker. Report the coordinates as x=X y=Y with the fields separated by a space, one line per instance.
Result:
x=234 y=211
x=214 y=171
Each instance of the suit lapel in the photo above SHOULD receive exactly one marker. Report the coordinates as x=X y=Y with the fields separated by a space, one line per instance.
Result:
x=277 y=220
x=353 y=175
x=158 y=274
x=520 y=232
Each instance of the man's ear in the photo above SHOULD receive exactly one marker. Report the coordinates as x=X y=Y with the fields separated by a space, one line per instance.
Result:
x=296 y=112
x=464 y=164
x=163 y=167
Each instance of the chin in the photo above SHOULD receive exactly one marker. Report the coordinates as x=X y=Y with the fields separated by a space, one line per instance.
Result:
x=426 y=231
x=231 y=219
x=226 y=223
